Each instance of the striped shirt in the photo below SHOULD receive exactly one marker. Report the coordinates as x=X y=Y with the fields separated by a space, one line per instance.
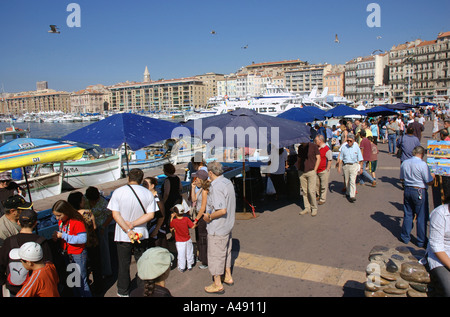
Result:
x=42 y=283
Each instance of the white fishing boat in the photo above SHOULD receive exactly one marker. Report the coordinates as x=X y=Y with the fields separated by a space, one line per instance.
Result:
x=184 y=149
x=91 y=171
x=142 y=160
x=43 y=180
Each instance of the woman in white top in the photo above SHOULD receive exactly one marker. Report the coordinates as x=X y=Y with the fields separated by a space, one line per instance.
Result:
x=439 y=246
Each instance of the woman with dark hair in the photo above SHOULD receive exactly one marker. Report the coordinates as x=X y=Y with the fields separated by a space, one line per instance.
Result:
x=77 y=200
x=98 y=205
x=170 y=192
x=73 y=236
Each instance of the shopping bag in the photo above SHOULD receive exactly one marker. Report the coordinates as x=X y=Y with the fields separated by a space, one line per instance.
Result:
x=270 y=189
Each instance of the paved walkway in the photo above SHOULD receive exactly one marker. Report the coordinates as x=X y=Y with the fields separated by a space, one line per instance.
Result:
x=282 y=254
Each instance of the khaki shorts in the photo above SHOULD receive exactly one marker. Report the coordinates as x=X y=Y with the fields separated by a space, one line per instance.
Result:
x=219 y=253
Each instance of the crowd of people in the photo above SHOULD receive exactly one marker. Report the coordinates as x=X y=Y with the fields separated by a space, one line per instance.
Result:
x=147 y=216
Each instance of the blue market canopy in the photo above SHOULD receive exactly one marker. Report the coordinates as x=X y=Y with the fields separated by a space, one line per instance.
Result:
x=299 y=115
x=246 y=121
x=399 y=106
x=134 y=130
x=315 y=111
x=343 y=111
x=426 y=103
x=379 y=111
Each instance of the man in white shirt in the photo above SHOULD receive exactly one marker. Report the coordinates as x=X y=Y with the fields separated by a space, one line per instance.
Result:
x=132 y=206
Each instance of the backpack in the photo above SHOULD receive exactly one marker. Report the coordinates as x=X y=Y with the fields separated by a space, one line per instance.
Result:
x=16 y=273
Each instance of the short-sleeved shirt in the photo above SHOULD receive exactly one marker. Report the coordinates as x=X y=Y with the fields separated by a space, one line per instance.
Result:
x=221 y=196
x=125 y=202
x=366 y=147
x=42 y=283
x=407 y=144
x=439 y=235
x=307 y=157
x=351 y=154
x=325 y=157
x=415 y=173
x=181 y=227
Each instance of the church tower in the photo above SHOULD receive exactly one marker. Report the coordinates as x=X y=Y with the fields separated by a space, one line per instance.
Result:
x=146 y=75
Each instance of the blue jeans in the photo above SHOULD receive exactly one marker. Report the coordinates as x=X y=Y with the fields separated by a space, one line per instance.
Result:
x=415 y=202
x=83 y=289
x=365 y=174
x=392 y=140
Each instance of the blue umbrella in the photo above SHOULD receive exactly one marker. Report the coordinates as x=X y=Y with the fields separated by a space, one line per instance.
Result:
x=298 y=114
x=315 y=111
x=399 y=106
x=130 y=129
x=124 y=128
x=342 y=111
x=379 y=111
x=426 y=103
x=290 y=132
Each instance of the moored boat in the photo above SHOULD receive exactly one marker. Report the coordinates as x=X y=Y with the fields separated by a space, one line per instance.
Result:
x=90 y=171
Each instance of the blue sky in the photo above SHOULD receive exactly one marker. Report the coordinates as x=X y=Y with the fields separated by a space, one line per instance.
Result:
x=117 y=39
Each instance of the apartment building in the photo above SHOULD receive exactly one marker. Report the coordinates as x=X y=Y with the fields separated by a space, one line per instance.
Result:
x=306 y=77
x=418 y=70
x=210 y=81
x=273 y=69
x=90 y=100
x=335 y=83
x=172 y=94
x=227 y=86
x=38 y=101
x=363 y=75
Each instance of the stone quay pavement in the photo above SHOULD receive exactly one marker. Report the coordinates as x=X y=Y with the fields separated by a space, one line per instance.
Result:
x=280 y=253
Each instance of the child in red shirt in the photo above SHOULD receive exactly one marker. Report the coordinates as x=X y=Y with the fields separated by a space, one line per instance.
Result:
x=180 y=225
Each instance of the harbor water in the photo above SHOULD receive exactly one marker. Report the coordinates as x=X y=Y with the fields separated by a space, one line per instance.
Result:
x=46 y=130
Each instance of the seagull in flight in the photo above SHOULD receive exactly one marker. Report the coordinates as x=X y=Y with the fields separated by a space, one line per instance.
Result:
x=54 y=29
x=379 y=37
x=245 y=47
x=336 y=40
x=374 y=52
x=213 y=32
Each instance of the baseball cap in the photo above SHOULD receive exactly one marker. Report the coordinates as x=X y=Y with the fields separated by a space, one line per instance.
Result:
x=179 y=207
x=153 y=263
x=202 y=174
x=28 y=216
x=29 y=251
x=5 y=176
x=17 y=202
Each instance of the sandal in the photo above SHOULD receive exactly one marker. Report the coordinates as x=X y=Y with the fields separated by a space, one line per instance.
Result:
x=229 y=283
x=212 y=289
